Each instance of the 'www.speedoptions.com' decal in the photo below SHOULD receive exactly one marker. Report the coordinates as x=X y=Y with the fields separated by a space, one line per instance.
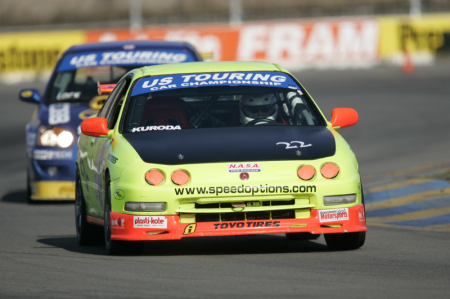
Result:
x=245 y=189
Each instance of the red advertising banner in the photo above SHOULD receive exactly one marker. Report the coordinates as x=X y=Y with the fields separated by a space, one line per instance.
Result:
x=293 y=44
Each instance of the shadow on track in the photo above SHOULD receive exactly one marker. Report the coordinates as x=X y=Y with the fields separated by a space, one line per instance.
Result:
x=70 y=243
x=233 y=245
x=20 y=197
x=261 y=244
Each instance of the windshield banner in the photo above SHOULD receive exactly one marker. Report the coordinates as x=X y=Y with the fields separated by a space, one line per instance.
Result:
x=267 y=79
x=138 y=58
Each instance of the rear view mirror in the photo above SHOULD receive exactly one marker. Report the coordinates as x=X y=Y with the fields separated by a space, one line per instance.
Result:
x=95 y=127
x=343 y=117
x=30 y=95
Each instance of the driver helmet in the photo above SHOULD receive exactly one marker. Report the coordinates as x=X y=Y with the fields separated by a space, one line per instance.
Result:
x=258 y=106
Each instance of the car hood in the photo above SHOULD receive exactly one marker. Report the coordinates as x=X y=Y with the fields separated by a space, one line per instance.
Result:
x=235 y=144
x=65 y=115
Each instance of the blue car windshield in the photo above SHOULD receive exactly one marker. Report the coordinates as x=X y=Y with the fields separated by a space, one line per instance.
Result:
x=80 y=85
x=77 y=74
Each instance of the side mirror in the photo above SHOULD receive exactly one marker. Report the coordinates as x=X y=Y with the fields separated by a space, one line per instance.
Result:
x=95 y=127
x=343 y=117
x=30 y=96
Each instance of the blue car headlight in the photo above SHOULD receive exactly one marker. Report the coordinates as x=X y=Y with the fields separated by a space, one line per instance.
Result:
x=55 y=136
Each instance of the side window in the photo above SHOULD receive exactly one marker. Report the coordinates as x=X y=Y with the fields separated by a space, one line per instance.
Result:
x=113 y=111
x=109 y=101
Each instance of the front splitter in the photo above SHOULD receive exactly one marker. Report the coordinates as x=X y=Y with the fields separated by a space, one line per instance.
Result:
x=140 y=228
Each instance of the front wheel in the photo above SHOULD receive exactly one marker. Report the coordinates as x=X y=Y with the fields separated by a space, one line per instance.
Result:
x=87 y=234
x=345 y=241
x=114 y=247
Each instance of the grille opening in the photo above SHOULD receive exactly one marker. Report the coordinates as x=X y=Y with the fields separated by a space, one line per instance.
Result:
x=283 y=203
x=225 y=205
x=283 y=214
x=207 y=217
x=266 y=203
x=233 y=216
x=207 y=206
x=258 y=215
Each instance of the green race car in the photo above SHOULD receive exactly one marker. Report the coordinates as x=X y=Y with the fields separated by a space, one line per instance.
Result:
x=215 y=149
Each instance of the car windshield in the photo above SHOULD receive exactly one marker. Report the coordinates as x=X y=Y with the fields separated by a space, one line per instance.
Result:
x=79 y=85
x=194 y=107
x=78 y=73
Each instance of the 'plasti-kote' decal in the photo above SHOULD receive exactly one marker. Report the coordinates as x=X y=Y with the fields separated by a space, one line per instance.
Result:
x=93 y=59
x=268 y=79
x=149 y=222
x=333 y=215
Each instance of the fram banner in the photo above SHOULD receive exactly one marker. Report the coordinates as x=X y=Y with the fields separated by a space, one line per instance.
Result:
x=293 y=44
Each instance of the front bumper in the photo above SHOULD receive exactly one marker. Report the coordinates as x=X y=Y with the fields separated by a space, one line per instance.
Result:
x=52 y=190
x=141 y=228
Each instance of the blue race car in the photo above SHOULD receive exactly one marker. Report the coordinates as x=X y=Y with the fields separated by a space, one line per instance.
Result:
x=71 y=96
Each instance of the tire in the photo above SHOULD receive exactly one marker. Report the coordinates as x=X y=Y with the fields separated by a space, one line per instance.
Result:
x=29 y=200
x=302 y=236
x=114 y=247
x=345 y=241
x=87 y=234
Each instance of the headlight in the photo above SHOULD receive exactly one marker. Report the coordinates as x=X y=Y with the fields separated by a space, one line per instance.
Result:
x=180 y=177
x=145 y=206
x=65 y=139
x=54 y=136
x=339 y=199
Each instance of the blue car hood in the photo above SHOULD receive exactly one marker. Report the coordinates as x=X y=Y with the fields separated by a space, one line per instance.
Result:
x=65 y=115
x=234 y=144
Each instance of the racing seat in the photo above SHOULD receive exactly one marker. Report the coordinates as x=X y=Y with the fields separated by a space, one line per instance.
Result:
x=163 y=112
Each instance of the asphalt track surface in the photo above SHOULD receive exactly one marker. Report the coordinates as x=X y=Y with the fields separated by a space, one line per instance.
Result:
x=403 y=123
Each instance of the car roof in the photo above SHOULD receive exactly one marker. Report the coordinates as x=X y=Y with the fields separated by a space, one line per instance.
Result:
x=205 y=67
x=138 y=45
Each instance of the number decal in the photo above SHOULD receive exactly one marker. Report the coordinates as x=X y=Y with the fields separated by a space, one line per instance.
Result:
x=289 y=144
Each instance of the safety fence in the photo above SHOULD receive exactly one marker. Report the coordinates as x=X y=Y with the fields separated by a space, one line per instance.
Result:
x=314 y=43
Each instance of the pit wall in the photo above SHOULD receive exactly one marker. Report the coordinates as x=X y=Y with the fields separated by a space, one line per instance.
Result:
x=321 y=43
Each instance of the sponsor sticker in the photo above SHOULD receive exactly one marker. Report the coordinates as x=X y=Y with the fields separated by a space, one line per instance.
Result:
x=95 y=59
x=118 y=223
x=149 y=222
x=112 y=159
x=119 y=194
x=298 y=225
x=155 y=128
x=333 y=215
x=190 y=229
x=244 y=167
x=59 y=113
x=52 y=155
x=362 y=216
x=274 y=79
x=251 y=224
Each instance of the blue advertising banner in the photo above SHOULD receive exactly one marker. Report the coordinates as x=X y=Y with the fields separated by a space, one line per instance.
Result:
x=138 y=58
x=159 y=83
